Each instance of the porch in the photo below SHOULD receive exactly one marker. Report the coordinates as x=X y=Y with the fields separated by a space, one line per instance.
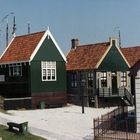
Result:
x=121 y=93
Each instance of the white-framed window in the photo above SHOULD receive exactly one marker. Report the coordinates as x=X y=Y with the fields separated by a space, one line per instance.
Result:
x=15 y=69
x=103 y=79
x=123 y=79
x=48 y=70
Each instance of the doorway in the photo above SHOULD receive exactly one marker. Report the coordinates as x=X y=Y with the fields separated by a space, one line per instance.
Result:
x=114 y=83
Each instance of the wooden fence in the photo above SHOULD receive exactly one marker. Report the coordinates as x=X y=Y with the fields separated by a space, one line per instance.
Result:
x=115 y=126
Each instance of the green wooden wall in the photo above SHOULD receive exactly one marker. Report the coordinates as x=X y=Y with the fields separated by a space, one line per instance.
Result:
x=15 y=86
x=113 y=61
x=48 y=52
x=4 y=70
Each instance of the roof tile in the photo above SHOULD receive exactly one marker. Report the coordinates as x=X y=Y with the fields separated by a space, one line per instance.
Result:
x=132 y=54
x=21 y=48
x=86 y=56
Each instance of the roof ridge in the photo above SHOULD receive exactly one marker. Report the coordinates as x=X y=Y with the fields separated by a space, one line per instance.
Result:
x=30 y=34
x=102 y=43
x=131 y=47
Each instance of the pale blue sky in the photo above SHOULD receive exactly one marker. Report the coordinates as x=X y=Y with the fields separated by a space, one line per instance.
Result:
x=91 y=21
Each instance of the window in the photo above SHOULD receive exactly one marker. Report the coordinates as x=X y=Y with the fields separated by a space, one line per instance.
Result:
x=103 y=79
x=15 y=70
x=123 y=79
x=48 y=71
x=74 y=80
x=90 y=79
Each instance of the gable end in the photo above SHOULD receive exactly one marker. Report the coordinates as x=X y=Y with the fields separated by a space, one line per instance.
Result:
x=113 y=59
x=47 y=34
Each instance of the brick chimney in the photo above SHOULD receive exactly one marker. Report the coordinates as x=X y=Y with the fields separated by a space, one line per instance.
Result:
x=74 y=43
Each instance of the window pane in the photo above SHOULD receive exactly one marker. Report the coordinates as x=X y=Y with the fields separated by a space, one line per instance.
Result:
x=48 y=74
x=90 y=79
x=74 y=80
x=19 y=71
x=103 y=79
x=123 y=79
x=43 y=64
x=44 y=74
x=53 y=74
x=15 y=70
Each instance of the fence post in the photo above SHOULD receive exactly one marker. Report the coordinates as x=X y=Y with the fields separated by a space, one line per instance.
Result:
x=98 y=126
x=101 y=125
x=108 y=122
x=126 y=129
x=94 y=127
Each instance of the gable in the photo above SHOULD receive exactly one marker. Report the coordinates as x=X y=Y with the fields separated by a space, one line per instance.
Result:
x=48 y=51
x=113 y=61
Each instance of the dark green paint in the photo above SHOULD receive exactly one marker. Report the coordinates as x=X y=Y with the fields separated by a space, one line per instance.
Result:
x=48 y=52
x=25 y=74
x=37 y=85
x=16 y=86
x=113 y=61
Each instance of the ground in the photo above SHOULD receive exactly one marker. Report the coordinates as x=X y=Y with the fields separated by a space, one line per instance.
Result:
x=66 y=123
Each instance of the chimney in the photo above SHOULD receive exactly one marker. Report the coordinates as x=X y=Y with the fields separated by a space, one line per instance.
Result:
x=74 y=43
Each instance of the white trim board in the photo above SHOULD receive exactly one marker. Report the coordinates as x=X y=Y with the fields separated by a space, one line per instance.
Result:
x=7 y=47
x=116 y=45
x=47 y=33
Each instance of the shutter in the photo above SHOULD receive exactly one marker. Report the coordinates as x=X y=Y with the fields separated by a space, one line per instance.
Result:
x=128 y=80
x=118 y=79
x=98 y=83
x=109 y=81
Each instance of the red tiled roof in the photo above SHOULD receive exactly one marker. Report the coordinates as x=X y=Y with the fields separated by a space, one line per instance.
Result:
x=21 y=48
x=86 y=56
x=132 y=54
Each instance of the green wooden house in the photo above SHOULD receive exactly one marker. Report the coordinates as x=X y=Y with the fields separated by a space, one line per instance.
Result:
x=33 y=72
x=98 y=74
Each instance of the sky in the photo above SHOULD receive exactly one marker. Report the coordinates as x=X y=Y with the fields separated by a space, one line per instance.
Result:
x=91 y=21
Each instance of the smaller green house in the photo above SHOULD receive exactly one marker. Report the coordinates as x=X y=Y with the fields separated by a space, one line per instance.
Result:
x=98 y=74
x=32 y=72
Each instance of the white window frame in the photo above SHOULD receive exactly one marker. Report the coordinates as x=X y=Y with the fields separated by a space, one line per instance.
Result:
x=48 y=69
x=15 y=69
x=103 y=79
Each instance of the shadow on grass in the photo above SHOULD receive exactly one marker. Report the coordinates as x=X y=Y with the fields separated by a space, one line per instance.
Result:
x=14 y=134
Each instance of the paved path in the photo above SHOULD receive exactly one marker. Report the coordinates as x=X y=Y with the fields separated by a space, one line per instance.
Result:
x=67 y=123
x=4 y=118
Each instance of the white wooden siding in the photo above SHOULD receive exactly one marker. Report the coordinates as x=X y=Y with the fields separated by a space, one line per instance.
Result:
x=137 y=89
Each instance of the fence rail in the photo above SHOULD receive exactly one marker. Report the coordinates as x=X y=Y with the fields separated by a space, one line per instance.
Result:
x=115 y=126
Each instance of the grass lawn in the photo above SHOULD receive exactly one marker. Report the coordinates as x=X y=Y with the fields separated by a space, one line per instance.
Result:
x=8 y=135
